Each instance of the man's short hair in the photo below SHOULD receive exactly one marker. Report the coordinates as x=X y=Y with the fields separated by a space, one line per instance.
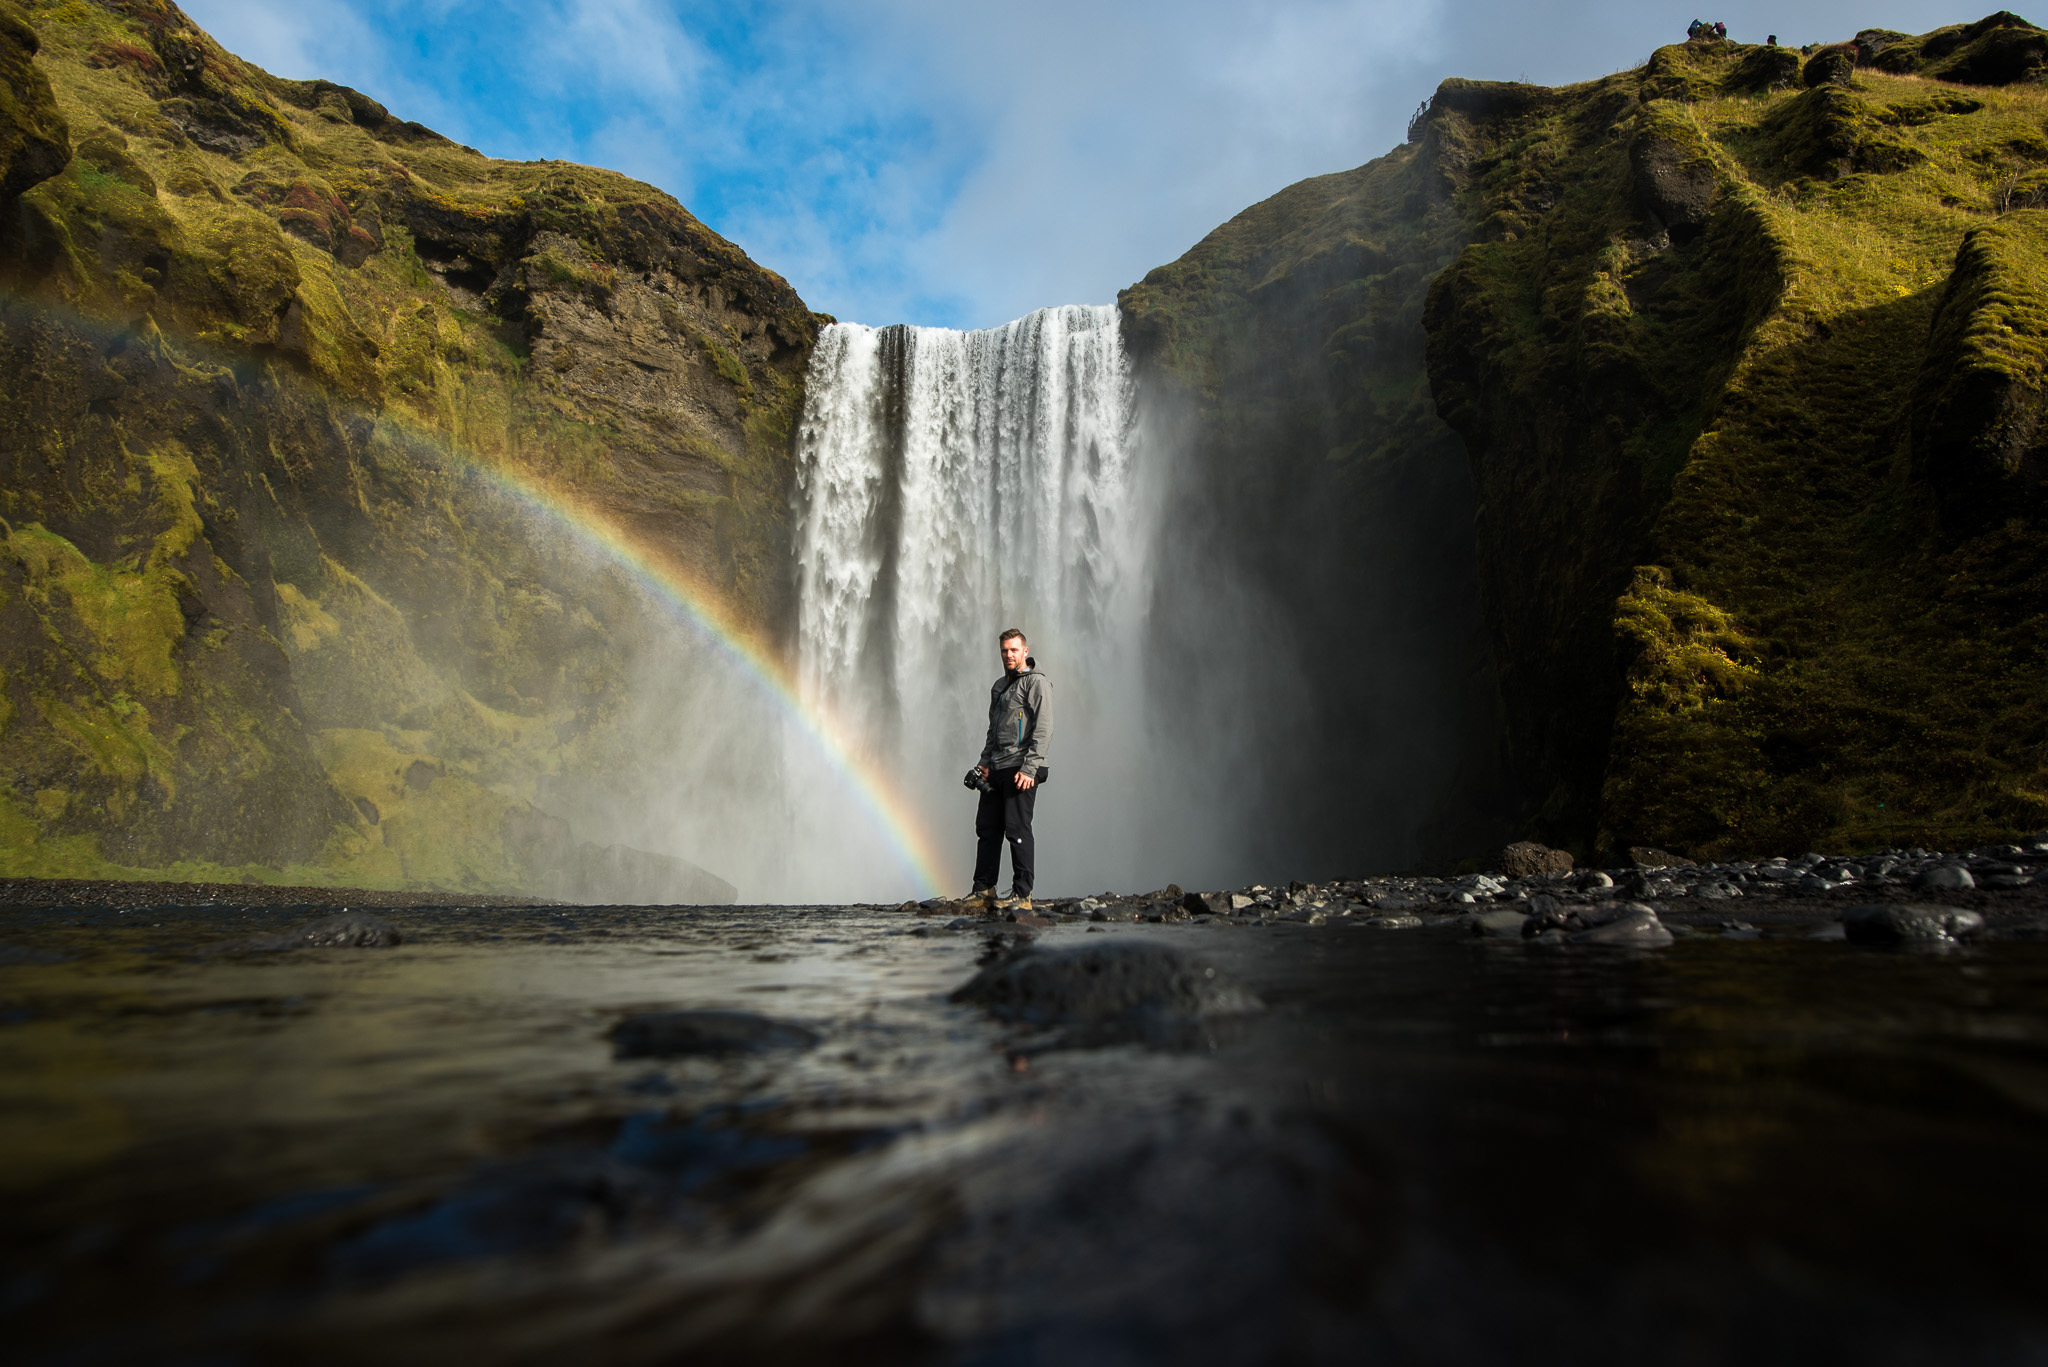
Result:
x=1013 y=632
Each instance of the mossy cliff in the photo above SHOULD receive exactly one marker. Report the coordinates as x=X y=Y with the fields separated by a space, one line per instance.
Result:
x=1746 y=356
x=273 y=355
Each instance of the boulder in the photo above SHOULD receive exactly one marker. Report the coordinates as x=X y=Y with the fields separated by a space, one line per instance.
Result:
x=1831 y=66
x=1675 y=181
x=1624 y=925
x=1526 y=859
x=1495 y=925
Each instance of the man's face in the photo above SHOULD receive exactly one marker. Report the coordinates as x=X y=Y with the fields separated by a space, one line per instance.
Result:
x=1014 y=651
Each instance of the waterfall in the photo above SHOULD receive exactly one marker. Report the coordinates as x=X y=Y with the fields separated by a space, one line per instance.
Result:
x=950 y=485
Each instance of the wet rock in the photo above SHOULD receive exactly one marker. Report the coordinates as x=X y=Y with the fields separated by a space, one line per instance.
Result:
x=716 y=1034
x=1207 y=903
x=1624 y=924
x=1308 y=916
x=1594 y=881
x=1498 y=925
x=349 y=930
x=1895 y=923
x=1398 y=921
x=1945 y=876
x=1526 y=859
x=1120 y=980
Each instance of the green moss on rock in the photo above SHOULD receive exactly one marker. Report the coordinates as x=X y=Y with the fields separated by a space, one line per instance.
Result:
x=282 y=355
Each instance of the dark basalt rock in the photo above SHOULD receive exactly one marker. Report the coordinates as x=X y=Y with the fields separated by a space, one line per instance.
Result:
x=1831 y=66
x=1104 y=983
x=1892 y=923
x=714 y=1034
x=1675 y=184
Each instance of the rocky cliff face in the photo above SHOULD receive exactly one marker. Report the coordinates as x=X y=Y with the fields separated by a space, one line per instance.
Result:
x=274 y=357
x=1745 y=354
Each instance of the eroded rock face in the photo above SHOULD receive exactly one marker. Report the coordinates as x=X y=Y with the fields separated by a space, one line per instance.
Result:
x=34 y=141
x=1675 y=181
x=1979 y=396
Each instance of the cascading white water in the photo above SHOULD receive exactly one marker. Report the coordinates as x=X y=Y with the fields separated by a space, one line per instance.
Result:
x=950 y=485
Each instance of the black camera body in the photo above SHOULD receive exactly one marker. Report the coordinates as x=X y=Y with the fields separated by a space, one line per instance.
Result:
x=976 y=780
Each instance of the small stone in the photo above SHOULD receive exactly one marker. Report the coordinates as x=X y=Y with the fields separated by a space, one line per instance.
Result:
x=1646 y=857
x=1238 y=901
x=1595 y=879
x=1399 y=921
x=1945 y=876
x=1894 y=923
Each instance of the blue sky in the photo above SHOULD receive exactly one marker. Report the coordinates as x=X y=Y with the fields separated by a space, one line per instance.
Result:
x=961 y=163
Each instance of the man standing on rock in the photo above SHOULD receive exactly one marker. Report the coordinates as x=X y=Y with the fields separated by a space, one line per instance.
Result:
x=1012 y=766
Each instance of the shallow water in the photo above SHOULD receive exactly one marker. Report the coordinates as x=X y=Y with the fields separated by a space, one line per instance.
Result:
x=1427 y=1149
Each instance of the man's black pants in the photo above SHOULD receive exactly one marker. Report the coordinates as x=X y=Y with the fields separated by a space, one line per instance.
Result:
x=1004 y=815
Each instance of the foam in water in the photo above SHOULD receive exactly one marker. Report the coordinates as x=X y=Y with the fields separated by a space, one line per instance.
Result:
x=950 y=485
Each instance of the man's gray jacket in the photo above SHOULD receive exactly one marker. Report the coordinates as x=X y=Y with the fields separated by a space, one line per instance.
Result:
x=1019 y=722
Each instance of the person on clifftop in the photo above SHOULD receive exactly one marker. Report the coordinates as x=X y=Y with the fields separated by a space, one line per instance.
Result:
x=1011 y=769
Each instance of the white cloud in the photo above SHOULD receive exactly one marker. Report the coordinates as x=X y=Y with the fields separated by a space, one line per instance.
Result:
x=946 y=161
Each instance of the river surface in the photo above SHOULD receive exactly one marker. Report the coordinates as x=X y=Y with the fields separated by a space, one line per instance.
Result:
x=1427 y=1149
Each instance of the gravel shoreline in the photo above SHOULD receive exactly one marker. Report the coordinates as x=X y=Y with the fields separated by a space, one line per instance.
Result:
x=2006 y=884
x=107 y=892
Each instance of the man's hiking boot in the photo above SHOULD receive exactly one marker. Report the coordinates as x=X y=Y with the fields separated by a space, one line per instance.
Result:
x=1014 y=902
x=982 y=897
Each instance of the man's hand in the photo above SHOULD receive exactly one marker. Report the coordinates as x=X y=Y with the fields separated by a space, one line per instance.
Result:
x=1025 y=783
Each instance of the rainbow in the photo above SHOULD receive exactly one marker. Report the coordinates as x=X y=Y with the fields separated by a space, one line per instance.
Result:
x=695 y=605
x=700 y=608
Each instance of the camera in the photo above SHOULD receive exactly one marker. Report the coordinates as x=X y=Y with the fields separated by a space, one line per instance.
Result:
x=976 y=780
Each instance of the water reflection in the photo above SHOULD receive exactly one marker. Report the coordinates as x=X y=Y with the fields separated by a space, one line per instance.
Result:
x=1427 y=1149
